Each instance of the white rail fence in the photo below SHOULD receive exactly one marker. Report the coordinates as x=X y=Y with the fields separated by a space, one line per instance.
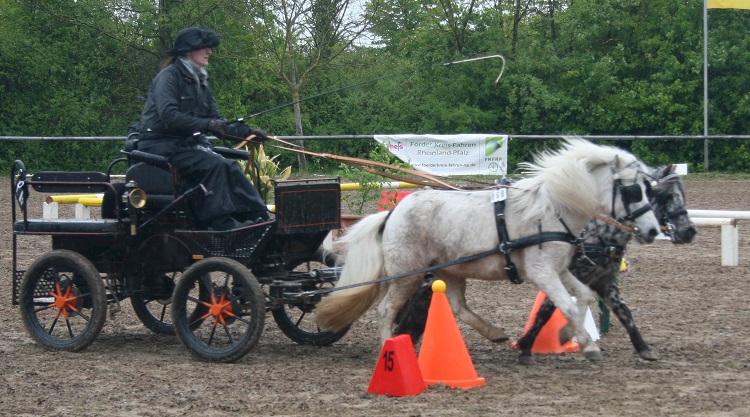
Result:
x=727 y=220
x=730 y=236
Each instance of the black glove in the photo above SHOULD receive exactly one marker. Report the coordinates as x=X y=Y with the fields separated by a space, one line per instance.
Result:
x=238 y=131
x=217 y=127
x=260 y=136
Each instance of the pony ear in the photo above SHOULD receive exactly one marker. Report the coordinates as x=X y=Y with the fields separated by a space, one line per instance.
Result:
x=616 y=166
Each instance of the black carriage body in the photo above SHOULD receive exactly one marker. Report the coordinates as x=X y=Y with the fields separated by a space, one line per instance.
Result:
x=306 y=211
x=147 y=248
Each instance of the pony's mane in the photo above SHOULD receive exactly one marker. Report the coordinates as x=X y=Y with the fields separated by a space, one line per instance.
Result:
x=562 y=180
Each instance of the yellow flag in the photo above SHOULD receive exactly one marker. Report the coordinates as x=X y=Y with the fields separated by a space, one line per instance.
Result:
x=729 y=4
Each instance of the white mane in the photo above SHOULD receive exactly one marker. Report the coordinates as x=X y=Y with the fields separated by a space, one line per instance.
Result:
x=563 y=181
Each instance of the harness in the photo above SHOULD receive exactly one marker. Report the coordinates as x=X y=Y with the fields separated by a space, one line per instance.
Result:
x=507 y=245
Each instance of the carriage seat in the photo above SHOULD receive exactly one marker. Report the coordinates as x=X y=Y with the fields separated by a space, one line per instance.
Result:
x=67 y=227
x=154 y=175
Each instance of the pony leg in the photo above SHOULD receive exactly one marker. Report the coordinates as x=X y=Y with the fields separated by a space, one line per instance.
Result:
x=583 y=296
x=613 y=299
x=556 y=291
x=412 y=317
x=526 y=342
x=456 y=293
x=396 y=297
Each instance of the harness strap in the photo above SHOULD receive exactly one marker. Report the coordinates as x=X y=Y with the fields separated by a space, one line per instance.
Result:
x=507 y=245
x=600 y=251
x=540 y=238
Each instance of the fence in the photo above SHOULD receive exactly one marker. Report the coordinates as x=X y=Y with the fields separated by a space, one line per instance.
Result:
x=705 y=138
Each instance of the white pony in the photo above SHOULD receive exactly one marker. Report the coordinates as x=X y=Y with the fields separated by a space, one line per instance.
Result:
x=432 y=227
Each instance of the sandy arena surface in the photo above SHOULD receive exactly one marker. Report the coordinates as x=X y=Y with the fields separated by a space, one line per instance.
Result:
x=692 y=310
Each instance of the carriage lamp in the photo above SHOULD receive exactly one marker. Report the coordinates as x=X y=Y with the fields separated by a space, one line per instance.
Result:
x=136 y=196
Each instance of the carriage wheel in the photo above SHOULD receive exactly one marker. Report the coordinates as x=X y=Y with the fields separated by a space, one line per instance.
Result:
x=63 y=301
x=152 y=302
x=151 y=305
x=218 y=310
x=297 y=322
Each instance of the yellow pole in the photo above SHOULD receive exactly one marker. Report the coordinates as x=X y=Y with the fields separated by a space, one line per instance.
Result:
x=94 y=201
x=353 y=186
x=70 y=198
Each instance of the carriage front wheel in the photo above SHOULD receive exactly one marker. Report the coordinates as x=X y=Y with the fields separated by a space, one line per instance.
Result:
x=63 y=301
x=232 y=308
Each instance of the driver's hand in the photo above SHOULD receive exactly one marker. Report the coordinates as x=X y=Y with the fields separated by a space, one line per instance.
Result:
x=260 y=136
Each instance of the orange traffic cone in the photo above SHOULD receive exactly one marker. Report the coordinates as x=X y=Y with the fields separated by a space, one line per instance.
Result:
x=443 y=357
x=397 y=373
x=548 y=340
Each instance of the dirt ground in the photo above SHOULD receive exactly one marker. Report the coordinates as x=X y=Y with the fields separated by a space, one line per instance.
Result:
x=692 y=310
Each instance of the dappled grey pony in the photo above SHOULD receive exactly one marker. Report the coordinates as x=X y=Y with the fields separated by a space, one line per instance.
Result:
x=436 y=228
x=596 y=263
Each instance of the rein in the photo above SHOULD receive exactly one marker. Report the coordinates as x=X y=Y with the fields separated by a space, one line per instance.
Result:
x=612 y=222
x=406 y=274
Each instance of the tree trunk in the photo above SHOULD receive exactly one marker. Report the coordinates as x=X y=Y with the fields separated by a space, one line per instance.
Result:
x=298 y=128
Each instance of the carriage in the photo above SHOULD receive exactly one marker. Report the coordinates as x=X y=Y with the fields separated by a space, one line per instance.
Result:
x=212 y=288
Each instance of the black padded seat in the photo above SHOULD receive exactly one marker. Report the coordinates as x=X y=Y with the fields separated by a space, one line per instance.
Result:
x=68 y=226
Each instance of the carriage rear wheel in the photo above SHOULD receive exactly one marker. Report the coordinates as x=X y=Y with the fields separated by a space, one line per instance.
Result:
x=63 y=301
x=297 y=321
x=153 y=301
x=218 y=310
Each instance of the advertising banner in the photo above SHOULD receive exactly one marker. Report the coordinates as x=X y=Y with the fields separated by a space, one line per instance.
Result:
x=444 y=155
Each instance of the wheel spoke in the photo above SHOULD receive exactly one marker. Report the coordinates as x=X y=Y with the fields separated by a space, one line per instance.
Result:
x=70 y=329
x=42 y=308
x=211 y=335
x=52 y=326
x=229 y=335
x=83 y=316
x=301 y=316
x=163 y=313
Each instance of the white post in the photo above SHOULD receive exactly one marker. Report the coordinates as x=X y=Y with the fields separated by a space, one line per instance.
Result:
x=730 y=254
x=83 y=212
x=49 y=210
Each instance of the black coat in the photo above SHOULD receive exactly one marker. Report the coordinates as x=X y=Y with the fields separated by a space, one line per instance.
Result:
x=178 y=105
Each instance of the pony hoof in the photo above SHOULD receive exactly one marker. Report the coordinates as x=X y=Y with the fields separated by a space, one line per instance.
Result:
x=500 y=338
x=648 y=355
x=594 y=355
x=566 y=334
x=527 y=360
x=497 y=335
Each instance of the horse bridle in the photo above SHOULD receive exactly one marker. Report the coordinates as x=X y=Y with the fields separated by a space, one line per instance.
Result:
x=629 y=194
x=665 y=219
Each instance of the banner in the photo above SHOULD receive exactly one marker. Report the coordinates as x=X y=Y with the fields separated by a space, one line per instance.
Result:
x=728 y=4
x=466 y=154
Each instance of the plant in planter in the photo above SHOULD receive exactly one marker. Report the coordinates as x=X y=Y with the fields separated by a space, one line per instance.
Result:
x=370 y=187
x=262 y=170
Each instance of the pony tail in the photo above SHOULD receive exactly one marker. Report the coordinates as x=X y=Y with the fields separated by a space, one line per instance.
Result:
x=363 y=263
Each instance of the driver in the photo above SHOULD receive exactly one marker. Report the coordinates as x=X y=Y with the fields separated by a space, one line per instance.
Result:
x=179 y=110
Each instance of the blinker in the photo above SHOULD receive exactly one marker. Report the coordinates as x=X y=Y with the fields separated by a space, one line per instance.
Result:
x=631 y=193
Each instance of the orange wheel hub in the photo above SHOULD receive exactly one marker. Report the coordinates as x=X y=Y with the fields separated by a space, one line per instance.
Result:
x=220 y=309
x=65 y=301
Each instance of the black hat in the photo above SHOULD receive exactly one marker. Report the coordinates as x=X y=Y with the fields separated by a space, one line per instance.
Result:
x=193 y=39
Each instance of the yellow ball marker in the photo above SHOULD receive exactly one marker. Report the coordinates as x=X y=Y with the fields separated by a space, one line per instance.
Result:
x=438 y=286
